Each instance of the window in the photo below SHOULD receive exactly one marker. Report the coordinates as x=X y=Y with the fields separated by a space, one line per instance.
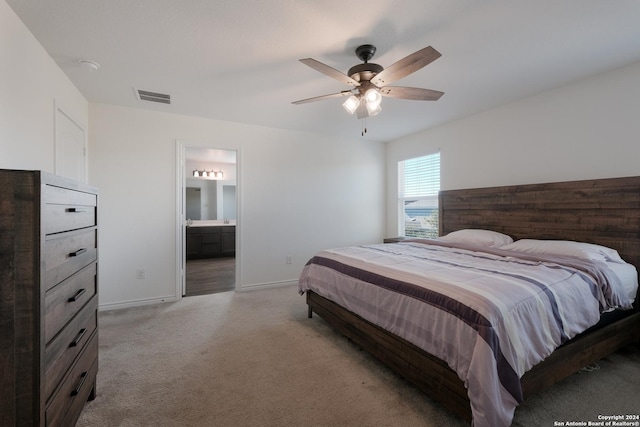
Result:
x=418 y=186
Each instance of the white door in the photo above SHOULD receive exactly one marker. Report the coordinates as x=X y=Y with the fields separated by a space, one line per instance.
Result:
x=181 y=190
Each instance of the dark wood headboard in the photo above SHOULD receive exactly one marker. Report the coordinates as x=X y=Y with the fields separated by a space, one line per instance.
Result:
x=600 y=211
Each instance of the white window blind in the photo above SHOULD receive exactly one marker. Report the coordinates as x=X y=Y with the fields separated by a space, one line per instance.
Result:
x=418 y=187
x=421 y=176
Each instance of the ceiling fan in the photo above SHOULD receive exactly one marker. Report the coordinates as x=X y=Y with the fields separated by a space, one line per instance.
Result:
x=369 y=81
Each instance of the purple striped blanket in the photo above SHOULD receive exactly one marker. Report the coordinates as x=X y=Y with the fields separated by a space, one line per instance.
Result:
x=491 y=315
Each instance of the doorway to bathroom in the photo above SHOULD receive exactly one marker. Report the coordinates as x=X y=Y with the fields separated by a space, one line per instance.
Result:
x=208 y=228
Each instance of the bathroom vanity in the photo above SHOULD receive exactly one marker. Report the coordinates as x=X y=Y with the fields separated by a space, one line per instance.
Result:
x=211 y=239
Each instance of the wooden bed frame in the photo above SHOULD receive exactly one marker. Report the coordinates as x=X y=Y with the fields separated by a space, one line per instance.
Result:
x=603 y=211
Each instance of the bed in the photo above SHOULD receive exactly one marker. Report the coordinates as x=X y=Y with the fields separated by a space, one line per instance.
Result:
x=603 y=212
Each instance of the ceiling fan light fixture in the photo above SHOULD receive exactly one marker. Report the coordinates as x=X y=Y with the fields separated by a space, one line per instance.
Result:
x=351 y=104
x=373 y=98
x=373 y=109
x=369 y=81
x=362 y=112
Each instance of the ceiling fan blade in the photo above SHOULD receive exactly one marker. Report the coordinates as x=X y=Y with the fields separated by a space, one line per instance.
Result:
x=407 y=65
x=411 y=93
x=329 y=71
x=323 y=97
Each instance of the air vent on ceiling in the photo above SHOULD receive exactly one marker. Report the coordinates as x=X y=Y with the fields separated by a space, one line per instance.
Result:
x=145 y=95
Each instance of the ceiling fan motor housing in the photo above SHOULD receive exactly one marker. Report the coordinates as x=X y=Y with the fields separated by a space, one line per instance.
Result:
x=365 y=52
x=364 y=72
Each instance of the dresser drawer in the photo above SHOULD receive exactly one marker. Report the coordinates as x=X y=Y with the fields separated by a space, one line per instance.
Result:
x=67 y=403
x=66 y=346
x=64 y=254
x=65 y=209
x=63 y=301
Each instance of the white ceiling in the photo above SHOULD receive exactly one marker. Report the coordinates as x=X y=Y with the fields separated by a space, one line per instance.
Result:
x=237 y=60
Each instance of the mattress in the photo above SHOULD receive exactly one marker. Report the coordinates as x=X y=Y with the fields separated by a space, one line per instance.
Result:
x=628 y=276
x=490 y=316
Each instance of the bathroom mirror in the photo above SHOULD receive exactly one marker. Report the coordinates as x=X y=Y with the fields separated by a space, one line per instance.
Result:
x=210 y=197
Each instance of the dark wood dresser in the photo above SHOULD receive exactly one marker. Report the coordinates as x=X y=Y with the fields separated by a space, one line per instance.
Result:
x=48 y=298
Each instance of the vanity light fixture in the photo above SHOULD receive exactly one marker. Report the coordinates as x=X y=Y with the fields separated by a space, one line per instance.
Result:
x=208 y=174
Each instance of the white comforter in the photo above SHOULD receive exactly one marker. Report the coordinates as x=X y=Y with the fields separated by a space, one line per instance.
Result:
x=490 y=316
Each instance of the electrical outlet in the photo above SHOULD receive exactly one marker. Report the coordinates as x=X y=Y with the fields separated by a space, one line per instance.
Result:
x=140 y=274
x=288 y=259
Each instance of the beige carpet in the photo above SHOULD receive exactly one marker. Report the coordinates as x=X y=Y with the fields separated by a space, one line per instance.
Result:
x=255 y=359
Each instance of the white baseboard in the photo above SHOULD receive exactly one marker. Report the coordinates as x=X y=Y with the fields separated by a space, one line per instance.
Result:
x=267 y=285
x=173 y=298
x=137 y=303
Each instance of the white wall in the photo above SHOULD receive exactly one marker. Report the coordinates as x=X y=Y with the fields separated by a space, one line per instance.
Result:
x=30 y=83
x=586 y=130
x=299 y=193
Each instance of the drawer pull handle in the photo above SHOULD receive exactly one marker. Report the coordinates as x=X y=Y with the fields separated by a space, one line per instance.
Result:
x=78 y=252
x=76 y=391
x=76 y=341
x=77 y=295
x=77 y=210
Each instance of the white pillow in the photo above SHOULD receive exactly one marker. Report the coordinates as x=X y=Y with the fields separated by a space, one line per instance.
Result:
x=477 y=237
x=586 y=251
